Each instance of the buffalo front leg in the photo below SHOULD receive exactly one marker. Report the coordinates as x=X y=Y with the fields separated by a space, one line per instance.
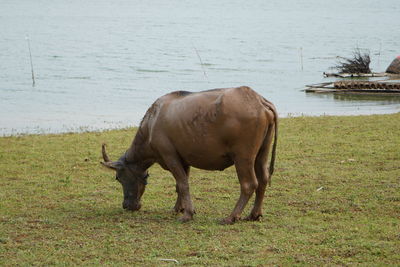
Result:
x=178 y=205
x=182 y=184
x=248 y=183
x=184 y=198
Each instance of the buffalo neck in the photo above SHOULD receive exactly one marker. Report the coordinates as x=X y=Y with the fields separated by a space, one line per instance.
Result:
x=139 y=153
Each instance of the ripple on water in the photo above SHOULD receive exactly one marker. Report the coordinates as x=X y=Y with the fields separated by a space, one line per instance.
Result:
x=150 y=70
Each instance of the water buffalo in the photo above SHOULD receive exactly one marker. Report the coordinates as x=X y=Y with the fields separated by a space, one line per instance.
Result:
x=210 y=130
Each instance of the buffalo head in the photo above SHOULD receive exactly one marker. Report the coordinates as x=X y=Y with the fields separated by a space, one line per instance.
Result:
x=133 y=180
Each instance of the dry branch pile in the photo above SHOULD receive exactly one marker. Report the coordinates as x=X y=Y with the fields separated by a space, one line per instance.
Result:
x=359 y=63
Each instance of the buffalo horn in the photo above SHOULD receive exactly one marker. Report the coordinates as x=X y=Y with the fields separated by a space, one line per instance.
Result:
x=105 y=156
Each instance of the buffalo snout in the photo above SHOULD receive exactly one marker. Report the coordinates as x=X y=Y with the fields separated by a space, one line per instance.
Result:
x=131 y=205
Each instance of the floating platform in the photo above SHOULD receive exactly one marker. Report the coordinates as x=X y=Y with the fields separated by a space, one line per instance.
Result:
x=359 y=87
x=359 y=75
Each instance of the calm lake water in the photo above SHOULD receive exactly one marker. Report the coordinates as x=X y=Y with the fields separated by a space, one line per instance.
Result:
x=100 y=64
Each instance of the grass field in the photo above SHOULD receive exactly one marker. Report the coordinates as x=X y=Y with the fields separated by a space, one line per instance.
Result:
x=334 y=200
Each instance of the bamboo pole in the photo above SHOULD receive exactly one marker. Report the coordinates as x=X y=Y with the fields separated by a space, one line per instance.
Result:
x=30 y=57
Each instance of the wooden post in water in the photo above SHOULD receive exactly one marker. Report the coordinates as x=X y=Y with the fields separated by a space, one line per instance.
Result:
x=301 y=58
x=379 y=55
x=201 y=62
x=30 y=57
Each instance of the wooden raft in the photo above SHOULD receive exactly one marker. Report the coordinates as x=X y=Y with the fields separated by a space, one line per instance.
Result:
x=365 y=85
x=374 y=87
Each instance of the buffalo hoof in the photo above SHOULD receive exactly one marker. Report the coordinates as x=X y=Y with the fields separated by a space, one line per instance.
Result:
x=178 y=209
x=229 y=220
x=253 y=217
x=181 y=210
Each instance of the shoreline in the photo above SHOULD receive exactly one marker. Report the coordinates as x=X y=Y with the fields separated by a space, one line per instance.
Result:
x=93 y=129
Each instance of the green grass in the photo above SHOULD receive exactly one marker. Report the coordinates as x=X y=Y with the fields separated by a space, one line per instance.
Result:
x=58 y=206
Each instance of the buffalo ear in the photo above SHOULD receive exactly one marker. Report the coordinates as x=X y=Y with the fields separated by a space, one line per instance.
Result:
x=114 y=165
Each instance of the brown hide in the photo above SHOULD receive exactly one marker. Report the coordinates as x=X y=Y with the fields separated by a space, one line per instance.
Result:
x=210 y=130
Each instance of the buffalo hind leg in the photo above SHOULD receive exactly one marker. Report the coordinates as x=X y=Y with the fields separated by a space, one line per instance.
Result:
x=262 y=177
x=248 y=183
x=262 y=173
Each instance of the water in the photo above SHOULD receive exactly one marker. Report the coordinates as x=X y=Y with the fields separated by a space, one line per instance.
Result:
x=100 y=64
